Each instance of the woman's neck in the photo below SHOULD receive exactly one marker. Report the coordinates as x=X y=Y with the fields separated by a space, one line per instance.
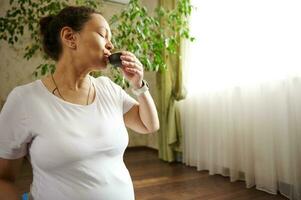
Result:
x=71 y=76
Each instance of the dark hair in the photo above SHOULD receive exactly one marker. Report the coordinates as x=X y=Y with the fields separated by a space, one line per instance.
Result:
x=50 y=26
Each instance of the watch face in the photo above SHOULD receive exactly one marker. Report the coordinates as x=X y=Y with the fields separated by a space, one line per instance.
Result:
x=145 y=83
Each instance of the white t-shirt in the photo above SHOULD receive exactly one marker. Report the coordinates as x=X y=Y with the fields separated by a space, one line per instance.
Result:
x=76 y=151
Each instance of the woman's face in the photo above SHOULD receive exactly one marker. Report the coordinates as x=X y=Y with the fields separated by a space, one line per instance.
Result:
x=93 y=43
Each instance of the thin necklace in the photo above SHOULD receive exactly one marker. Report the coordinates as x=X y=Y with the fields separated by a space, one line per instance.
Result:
x=56 y=88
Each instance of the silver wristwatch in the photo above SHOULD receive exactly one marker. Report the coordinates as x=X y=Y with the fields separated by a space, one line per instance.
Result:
x=139 y=91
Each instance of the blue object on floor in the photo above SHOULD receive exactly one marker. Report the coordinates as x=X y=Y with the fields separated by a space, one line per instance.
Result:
x=25 y=196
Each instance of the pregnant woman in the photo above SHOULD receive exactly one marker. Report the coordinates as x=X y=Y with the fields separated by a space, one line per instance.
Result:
x=71 y=125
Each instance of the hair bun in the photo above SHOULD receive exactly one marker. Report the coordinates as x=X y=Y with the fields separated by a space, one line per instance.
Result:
x=50 y=26
x=45 y=24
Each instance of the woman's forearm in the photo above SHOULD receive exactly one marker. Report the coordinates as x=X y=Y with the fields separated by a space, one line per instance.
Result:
x=148 y=112
x=8 y=191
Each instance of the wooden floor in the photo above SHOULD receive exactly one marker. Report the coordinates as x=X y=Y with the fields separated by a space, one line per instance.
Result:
x=157 y=180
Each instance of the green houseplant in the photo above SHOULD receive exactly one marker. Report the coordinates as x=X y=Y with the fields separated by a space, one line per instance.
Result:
x=133 y=30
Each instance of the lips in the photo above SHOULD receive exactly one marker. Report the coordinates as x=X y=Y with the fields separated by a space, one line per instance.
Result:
x=106 y=58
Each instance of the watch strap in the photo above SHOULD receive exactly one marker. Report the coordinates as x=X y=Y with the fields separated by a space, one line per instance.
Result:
x=143 y=89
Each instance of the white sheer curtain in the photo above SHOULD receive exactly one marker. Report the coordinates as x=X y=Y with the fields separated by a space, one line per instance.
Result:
x=242 y=116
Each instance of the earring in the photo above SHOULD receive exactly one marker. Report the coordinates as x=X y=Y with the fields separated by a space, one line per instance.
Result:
x=73 y=46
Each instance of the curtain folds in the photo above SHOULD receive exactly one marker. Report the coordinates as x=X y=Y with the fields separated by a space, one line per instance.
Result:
x=248 y=133
x=242 y=115
x=170 y=91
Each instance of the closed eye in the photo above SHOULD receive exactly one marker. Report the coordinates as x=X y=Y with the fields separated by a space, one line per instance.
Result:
x=101 y=35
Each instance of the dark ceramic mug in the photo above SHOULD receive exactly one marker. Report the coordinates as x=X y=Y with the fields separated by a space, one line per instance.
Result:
x=115 y=59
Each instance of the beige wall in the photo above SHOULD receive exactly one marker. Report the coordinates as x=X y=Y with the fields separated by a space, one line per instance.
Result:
x=15 y=70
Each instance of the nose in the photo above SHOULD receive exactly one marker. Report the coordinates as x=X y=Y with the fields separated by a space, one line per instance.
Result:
x=109 y=45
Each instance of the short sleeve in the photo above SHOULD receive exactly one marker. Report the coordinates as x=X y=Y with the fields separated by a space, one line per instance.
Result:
x=125 y=99
x=128 y=101
x=14 y=135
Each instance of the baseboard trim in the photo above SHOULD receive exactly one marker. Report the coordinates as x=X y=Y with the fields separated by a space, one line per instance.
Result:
x=135 y=148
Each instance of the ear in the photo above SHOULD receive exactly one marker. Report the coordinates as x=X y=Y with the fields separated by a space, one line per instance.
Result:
x=68 y=37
